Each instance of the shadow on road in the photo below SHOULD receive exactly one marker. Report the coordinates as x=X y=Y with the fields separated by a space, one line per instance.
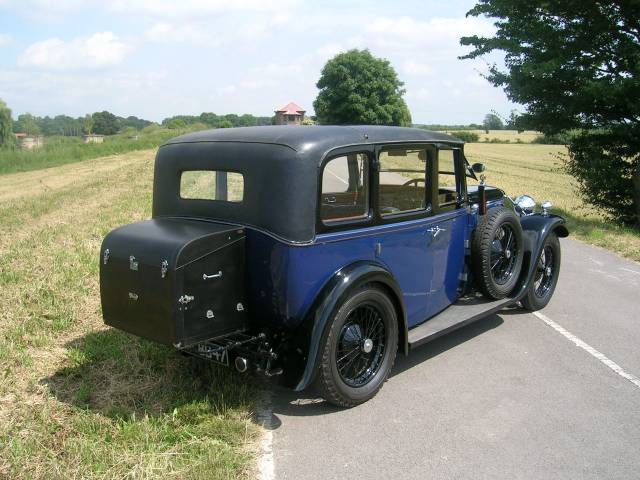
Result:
x=308 y=403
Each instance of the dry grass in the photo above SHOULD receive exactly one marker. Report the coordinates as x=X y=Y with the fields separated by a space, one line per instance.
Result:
x=78 y=400
x=536 y=170
x=512 y=136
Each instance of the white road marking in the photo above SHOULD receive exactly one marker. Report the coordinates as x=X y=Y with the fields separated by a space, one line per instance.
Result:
x=266 y=465
x=629 y=270
x=589 y=349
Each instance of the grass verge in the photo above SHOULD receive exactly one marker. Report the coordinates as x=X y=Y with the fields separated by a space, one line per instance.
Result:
x=78 y=400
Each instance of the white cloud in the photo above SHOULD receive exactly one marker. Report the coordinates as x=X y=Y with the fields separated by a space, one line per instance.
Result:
x=100 y=50
x=438 y=34
x=5 y=39
x=197 y=8
x=411 y=67
x=167 y=33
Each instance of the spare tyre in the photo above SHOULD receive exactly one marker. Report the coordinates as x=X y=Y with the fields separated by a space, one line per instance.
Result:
x=496 y=252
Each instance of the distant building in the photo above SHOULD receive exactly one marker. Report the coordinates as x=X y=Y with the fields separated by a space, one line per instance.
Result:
x=290 y=114
x=93 y=138
x=29 y=142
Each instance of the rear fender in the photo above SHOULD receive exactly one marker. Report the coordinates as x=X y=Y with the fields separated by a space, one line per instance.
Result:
x=332 y=295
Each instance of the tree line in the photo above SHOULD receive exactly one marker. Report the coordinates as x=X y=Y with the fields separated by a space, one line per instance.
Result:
x=107 y=123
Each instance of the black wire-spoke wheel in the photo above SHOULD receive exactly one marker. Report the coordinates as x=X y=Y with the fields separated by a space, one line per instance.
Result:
x=504 y=254
x=544 y=272
x=497 y=252
x=359 y=348
x=545 y=276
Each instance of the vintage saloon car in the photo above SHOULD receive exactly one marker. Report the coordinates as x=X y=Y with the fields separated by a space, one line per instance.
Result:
x=316 y=253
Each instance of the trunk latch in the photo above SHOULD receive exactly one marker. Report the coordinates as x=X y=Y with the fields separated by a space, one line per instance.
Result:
x=133 y=263
x=184 y=299
x=163 y=268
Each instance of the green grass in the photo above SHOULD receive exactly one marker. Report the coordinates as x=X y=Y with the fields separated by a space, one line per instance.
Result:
x=536 y=170
x=59 y=150
x=77 y=399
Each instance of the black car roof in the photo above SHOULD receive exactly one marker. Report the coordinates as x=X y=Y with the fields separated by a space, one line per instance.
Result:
x=308 y=138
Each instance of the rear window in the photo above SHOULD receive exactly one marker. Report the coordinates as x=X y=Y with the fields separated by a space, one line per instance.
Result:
x=212 y=185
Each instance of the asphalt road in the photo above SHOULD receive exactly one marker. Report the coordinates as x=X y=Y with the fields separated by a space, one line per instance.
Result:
x=508 y=397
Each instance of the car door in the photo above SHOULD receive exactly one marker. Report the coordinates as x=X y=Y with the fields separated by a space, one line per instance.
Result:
x=447 y=230
x=402 y=198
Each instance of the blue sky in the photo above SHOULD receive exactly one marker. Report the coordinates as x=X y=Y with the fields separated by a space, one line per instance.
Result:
x=157 y=58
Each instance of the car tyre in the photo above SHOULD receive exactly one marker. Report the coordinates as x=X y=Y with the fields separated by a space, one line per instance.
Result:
x=546 y=274
x=497 y=252
x=363 y=331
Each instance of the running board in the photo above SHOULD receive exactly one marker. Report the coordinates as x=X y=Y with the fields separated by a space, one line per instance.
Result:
x=463 y=312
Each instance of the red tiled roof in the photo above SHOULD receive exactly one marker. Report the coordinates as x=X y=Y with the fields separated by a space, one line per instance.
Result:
x=291 y=109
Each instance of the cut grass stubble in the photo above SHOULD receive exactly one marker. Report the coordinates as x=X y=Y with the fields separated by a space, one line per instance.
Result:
x=78 y=400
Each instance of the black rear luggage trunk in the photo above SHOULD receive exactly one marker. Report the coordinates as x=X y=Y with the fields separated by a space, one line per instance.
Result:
x=174 y=281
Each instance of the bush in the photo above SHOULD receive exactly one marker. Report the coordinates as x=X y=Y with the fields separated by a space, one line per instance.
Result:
x=608 y=173
x=466 y=136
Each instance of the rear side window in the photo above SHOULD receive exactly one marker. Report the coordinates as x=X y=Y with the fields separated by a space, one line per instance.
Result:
x=212 y=185
x=403 y=180
x=447 y=188
x=345 y=188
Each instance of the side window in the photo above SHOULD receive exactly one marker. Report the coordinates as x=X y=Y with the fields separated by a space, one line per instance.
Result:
x=447 y=185
x=403 y=179
x=345 y=188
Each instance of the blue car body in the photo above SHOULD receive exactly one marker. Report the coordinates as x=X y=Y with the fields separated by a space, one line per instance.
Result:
x=293 y=269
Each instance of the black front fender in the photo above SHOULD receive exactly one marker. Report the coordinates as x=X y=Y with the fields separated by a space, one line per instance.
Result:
x=535 y=230
x=332 y=296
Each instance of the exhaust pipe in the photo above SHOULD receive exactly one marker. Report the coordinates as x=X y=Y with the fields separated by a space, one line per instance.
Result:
x=241 y=364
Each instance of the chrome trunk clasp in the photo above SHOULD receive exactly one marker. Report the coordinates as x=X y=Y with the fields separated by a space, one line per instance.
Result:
x=163 y=268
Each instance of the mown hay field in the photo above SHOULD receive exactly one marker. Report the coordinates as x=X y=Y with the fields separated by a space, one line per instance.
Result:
x=536 y=170
x=512 y=136
x=78 y=399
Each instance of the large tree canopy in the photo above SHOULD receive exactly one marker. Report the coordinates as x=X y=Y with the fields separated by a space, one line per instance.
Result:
x=358 y=88
x=574 y=65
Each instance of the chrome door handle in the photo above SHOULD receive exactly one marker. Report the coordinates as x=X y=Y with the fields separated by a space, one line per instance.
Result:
x=436 y=230
x=209 y=277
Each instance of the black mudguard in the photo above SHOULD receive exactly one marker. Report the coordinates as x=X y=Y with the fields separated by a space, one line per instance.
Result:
x=331 y=297
x=535 y=230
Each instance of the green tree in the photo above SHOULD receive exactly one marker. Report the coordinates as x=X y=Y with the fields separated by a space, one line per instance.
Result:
x=358 y=88
x=176 y=123
x=225 y=124
x=87 y=124
x=29 y=124
x=105 y=123
x=492 y=122
x=575 y=66
x=6 y=131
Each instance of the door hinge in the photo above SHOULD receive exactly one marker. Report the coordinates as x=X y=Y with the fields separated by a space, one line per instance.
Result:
x=133 y=263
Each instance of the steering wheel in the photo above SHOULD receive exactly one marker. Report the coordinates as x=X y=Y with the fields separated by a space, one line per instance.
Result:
x=413 y=181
